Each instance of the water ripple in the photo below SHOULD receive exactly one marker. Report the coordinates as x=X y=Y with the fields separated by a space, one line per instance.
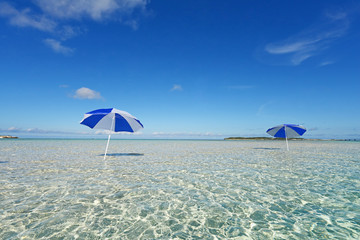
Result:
x=179 y=190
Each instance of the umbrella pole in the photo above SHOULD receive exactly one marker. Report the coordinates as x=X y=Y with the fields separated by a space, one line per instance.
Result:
x=107 y=145
x=287 y=144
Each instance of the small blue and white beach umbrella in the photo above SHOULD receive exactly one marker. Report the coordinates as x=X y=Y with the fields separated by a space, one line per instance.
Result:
x=113 y=120
x=287 y=131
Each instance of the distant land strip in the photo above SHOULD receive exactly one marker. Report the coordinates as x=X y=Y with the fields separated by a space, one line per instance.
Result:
x=7 y=136
x=260 y=138
x=296 y=139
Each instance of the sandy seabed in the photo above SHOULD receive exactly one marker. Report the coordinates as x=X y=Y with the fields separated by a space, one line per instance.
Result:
x=179 y=189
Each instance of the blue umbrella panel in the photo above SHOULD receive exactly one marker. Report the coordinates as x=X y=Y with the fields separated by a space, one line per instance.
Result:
x=287 y=131
x=113 y=120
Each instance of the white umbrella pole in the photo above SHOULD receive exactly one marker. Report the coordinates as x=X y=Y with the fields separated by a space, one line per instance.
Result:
x=112 y=128
x=287 y=144
x=107 y=145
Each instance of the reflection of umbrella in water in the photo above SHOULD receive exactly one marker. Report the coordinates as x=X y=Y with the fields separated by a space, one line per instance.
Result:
x=113 y=120
x=287 y=131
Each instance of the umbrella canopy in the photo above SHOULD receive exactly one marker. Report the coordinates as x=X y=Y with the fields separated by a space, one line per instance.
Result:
x=287 y=131
x=113 y=120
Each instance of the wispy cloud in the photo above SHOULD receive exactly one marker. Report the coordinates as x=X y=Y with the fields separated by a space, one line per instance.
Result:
x=107 y=132
x=187 y=135
x=39 y=131
x=12 y=129
x=26 y=18
x=66 y=32
x=132 y=23
x=326 y=63
x=87 y=93
x=176 y=87
x=241 y=87
x=62 y=18
x=94 y=9
x=311 y=41
x=15 y=130
x=58 y=47
x=67 y=9
x=262 y=108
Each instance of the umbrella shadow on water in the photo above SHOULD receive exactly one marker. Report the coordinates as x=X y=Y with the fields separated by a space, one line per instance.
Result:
x=122 y=154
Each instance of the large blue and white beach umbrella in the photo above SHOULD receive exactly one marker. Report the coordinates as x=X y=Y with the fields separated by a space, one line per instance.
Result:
x=287 y=131
x=113 y=120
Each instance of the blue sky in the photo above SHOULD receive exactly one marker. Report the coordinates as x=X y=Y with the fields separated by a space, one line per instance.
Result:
x=185 y=69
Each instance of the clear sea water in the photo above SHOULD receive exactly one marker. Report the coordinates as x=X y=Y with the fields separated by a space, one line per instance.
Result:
x=157 y=189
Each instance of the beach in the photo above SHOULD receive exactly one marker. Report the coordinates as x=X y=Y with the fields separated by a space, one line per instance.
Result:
x=179 y=189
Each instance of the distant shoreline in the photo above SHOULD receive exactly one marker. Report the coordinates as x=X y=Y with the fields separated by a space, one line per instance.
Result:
x=294 y=139
x=7 y=136
x=226 y=139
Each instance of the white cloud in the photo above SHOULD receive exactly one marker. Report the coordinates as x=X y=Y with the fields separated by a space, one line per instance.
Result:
x=14 y=129
x=86 y=93
x=58 y=47
x=77 y=9
x=176 y=87
x=25 y=18
x=312 y=41
x=97 y=10
x=53 y=16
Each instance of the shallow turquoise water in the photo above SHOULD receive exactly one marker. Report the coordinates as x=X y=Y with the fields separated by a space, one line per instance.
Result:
x=63 y=189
